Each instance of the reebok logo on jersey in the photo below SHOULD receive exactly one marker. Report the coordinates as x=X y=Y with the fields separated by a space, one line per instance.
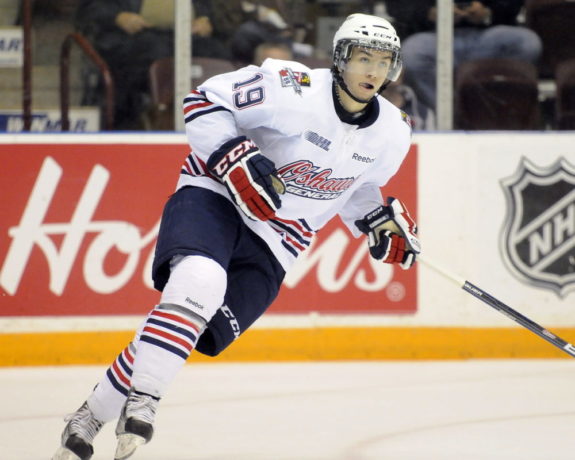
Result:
x=318 y=140
x=362 y=158
x=304 y=179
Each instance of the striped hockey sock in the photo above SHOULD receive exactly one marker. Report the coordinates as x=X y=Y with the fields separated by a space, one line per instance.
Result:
x=168 y=337
x=120 y=372
x=165 y=341
x=108 y=397
x=172 y=331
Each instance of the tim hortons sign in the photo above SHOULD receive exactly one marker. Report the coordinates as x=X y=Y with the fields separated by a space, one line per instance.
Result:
x=538 y=238
x=79 y=222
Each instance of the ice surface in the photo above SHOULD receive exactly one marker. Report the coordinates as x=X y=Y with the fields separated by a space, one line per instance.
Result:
x=433 y=410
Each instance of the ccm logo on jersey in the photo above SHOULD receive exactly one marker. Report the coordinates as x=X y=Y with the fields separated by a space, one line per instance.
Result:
x=231 y=157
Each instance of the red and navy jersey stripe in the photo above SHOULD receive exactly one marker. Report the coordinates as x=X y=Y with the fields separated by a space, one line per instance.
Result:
x=120 y=372
x=197 y=104
x=171 y=332
x=296 y=234
x=194 y=166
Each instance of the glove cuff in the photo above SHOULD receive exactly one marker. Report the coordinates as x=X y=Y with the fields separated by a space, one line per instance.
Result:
x=230 y=153
x=373 y=219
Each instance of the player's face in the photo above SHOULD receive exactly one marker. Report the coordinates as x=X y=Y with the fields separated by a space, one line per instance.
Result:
x=365 y=71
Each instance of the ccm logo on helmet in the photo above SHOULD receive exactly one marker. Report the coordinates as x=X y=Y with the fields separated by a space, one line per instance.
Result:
x=382 y=35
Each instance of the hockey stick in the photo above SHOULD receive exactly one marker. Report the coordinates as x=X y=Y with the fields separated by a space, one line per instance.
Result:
x=501 y=307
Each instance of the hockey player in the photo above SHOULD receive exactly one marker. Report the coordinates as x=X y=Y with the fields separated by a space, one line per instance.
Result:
x=276 y=152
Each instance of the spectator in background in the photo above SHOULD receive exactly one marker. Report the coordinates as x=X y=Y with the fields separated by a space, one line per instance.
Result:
x=244 y=25
x=273 y=50
x=205 y=42
x=404 y=98
x=130 y=35
x=249 y=36
x=482 y=29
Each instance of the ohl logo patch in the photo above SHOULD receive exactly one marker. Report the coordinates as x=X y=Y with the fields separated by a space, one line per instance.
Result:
x=538 y=238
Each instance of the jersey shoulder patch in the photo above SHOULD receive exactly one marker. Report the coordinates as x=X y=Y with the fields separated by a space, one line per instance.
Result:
x=290 y=74
x=295 y=79
x=407 y=119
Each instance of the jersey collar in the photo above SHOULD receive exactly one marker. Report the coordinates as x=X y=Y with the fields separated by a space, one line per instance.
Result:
x=366 y=119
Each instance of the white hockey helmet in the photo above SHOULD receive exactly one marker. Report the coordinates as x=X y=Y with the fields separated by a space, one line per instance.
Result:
x=369 y=32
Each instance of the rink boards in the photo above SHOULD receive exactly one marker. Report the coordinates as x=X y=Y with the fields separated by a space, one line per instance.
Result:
x=80 y=215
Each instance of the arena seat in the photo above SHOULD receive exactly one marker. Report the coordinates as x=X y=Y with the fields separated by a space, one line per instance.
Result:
x=496 y=94
x=553 y=21
x=161 y=76
x=565 y=97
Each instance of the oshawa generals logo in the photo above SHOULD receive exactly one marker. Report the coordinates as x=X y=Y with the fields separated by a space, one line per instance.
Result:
x=538 y=239
x=303 y=178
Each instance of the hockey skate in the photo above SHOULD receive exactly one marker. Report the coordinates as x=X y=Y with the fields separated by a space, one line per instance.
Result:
x=136 y=424
x=78 y=435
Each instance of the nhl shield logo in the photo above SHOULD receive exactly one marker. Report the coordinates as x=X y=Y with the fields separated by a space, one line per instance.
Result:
x=538 y=238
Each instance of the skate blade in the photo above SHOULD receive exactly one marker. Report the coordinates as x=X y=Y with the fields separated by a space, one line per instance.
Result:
x=65 y=454
x=127 y=445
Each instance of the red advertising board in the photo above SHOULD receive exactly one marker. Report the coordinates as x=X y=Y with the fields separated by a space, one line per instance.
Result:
x=78 y=224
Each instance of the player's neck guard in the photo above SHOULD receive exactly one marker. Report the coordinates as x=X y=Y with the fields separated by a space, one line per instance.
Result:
x=362 y=119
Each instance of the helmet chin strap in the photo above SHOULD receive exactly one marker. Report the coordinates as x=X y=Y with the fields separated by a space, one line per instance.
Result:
x=341 y=83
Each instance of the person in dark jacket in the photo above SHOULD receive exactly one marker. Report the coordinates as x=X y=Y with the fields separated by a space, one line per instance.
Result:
x=129 y=40
x=482 y=29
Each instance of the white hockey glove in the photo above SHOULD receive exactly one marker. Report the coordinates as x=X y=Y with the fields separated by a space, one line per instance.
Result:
x=250 y=177
x=392 y=234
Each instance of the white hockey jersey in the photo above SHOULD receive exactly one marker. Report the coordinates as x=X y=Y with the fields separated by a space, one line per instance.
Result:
x=329 y=167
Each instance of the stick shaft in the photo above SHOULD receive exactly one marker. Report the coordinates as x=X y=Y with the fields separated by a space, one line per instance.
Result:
x=502 y=308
